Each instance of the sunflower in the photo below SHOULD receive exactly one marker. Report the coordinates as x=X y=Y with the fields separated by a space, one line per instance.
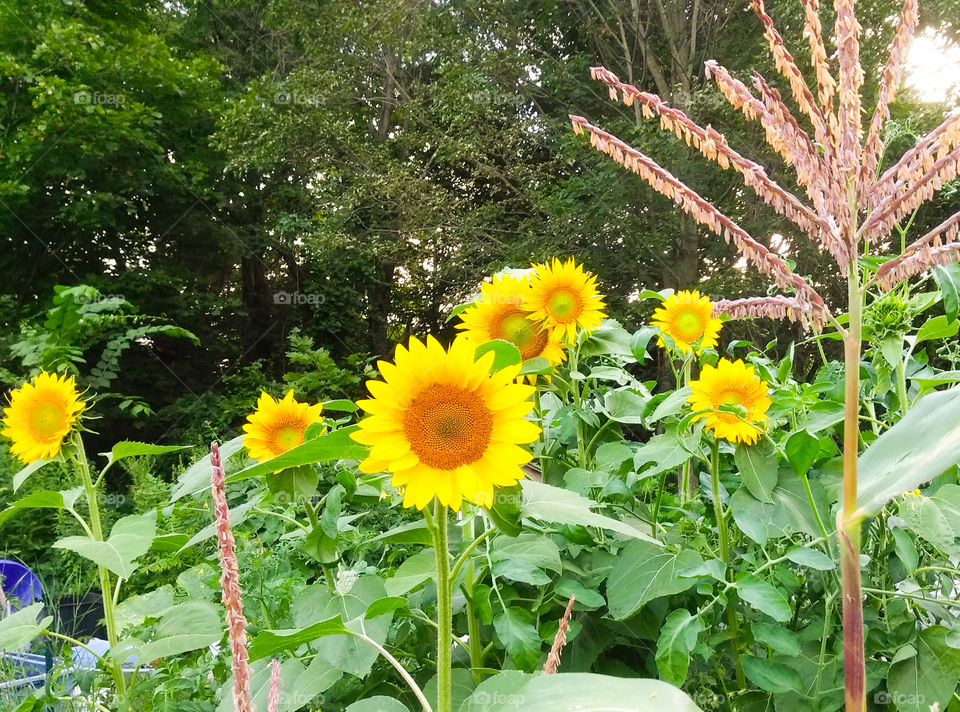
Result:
x=40 y=416
x=444 y=427
x=563 y=297
x=497 y=315
x=731 y=383
x=687 y=318
x=278 y=425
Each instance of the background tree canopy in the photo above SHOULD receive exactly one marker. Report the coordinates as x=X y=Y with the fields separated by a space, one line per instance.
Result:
x=302 y=183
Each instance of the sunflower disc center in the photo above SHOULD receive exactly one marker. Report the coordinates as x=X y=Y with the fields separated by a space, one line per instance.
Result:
x=516 y=328
x=730 y=398
x=47 y=420
x=288 y=437
x=448 y=426
x=689 y=325
x=564 y=305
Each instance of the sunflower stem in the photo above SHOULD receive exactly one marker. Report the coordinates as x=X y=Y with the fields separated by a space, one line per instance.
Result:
x=469 y=583
x=721 y=518
x=538 y=409
x=687 y=487
x=444 y=609
x=106 y=589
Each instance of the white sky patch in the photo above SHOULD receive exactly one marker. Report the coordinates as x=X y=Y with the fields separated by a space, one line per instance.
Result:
x=933 y=67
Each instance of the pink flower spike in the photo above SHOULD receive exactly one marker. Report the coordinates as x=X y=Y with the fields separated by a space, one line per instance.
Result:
x=273 y=698
x=230 y=585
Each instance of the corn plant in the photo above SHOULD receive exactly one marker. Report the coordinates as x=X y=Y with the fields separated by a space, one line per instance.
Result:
x=852 y=209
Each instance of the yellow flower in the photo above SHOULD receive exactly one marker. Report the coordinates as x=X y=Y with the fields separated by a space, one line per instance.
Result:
x=563 y=297
x=686 y=317
x=444 y=427
x=40 y=416
x=497 y=315
x=731 y=383
x=278 y=425
x=913 y=493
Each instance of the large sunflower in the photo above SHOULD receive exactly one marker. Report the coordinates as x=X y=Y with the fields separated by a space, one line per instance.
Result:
x=278 y=425
x=731 y=383
x=444 y=426
x=687 y=318
x=40 y=416
x=497 y=315
x=563 y=297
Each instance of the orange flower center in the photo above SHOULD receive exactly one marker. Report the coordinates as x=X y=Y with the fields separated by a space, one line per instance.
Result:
x=564 y=305
x=516 y=328
x=47 y=421
x=448 y=426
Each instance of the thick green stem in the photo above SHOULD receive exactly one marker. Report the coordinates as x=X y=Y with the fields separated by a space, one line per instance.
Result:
x=473 y=620
x=575 y=392
x=444 y=610
x=725 y=557
x=902 y=387
x=538 y=410
x=106 y=589
x=688 y=484
x=848 y=520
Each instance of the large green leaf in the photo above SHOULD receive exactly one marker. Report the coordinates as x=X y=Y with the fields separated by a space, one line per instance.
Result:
x=939 y=327
x=758 y=468
x=336 y=445
x=182 y=628
x=504 y=354
x=575 y=692
x=764 y=597
x=128 y=448
x=524 y=558
x=560 y=506
x=519 y=637
x=771 y=675
x=920 y=447
x=271 y=642
x=345 y=652
x=919 y=681
x=22 y=475
x=948 y=279
x=135 y=610
x=44 y=499
x=935 y=518
x=664 y=452
x=420 y=567
x=789 y=512
x=625 y=406
x=644 y=571
x=19 y=628
x=678 y=637
x=130 y=539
